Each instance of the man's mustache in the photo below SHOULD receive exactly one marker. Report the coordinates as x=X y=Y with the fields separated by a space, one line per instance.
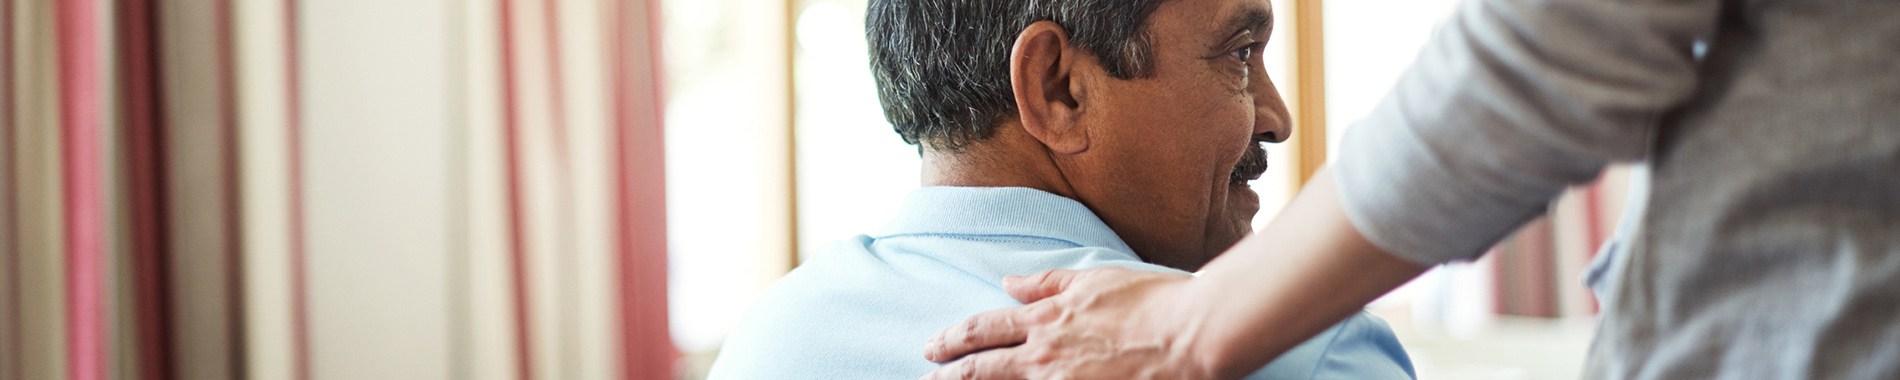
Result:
x=1252 y=164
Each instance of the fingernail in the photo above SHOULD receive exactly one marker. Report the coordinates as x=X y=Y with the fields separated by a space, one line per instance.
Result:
x=1011 y=280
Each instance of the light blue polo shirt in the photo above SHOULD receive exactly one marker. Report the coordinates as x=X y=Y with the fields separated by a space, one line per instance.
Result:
x=862 y=308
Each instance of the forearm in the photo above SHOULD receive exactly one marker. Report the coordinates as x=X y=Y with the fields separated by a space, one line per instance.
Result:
x=1308 y=270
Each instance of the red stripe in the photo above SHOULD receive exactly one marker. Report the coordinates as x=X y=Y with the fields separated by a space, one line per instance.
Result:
x=8 y=179
x=80 y=110
x=640 y=207
x=1538 y=251
x=1499 y=271
x=145 y=167
x=293 y=130
x=518 y=239
x=557 y=94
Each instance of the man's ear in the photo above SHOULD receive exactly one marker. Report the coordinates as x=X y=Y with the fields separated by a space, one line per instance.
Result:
x=1040 y=74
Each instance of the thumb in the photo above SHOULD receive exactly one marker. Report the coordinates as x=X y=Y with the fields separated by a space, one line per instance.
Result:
x=1035 y=287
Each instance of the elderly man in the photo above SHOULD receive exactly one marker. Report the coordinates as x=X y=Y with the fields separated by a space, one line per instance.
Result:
x=1055 y=134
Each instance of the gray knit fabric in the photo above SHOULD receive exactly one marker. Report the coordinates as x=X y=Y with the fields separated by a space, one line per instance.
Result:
x=1769 y=247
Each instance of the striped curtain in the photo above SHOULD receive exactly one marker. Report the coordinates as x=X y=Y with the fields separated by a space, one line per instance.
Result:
x=331 y=189
x=1538 y=271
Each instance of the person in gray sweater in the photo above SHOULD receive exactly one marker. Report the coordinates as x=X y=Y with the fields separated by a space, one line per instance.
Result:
x=1769 y=246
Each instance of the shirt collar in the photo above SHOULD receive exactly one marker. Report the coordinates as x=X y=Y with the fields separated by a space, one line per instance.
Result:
x=1016 y=211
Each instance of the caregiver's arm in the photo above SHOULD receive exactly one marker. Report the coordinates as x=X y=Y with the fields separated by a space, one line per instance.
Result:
x=1308 y=270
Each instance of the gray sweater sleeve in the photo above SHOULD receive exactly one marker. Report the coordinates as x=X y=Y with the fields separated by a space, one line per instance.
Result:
x=1510 y=102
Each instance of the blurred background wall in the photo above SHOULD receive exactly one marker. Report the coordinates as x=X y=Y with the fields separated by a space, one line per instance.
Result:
x=483 y=189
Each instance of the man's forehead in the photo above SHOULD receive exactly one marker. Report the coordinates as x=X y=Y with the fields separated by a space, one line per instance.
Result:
x=1221 y=16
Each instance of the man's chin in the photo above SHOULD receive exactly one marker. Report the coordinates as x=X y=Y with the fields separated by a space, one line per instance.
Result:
x=1242 y=204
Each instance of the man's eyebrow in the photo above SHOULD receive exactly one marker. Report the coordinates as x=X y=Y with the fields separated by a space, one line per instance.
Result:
x=1252 y=18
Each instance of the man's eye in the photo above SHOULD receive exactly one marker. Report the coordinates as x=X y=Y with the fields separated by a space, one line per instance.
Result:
x=1246 y=53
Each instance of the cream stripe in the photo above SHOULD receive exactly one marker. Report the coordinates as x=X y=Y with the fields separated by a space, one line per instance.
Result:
x=460 y=333
x=374 y=129
x=488 y=329
x=590 y=307
x=563 y=284
x=263 y=111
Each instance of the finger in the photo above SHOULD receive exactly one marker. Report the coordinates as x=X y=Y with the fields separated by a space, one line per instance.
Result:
x=989 y=329
x=1035 y=287
x=994 y=364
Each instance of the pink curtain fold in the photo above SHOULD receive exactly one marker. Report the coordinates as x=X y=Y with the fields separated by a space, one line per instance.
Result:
x=287 y=189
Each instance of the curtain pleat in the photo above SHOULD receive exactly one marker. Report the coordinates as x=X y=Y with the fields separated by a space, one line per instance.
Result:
x=336 y=189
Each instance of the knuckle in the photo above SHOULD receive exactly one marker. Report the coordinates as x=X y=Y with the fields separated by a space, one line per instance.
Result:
x=968 y=334
x=1042 y=355
x=967 y=371
x=1042 y=313
x=972 y=332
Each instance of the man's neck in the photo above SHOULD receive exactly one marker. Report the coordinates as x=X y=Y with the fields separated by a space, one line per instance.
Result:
x=1007 y=158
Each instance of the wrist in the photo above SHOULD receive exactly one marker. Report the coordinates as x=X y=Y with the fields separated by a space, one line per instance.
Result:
x=1208 y=352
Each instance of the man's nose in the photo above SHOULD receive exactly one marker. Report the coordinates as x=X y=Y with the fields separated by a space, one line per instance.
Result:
x=1272 y=122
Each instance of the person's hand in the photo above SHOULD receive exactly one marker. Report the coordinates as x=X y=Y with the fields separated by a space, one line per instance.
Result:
x=1105 y=323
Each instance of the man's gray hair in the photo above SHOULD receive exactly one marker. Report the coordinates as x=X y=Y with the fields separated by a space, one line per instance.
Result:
x=942 y=66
